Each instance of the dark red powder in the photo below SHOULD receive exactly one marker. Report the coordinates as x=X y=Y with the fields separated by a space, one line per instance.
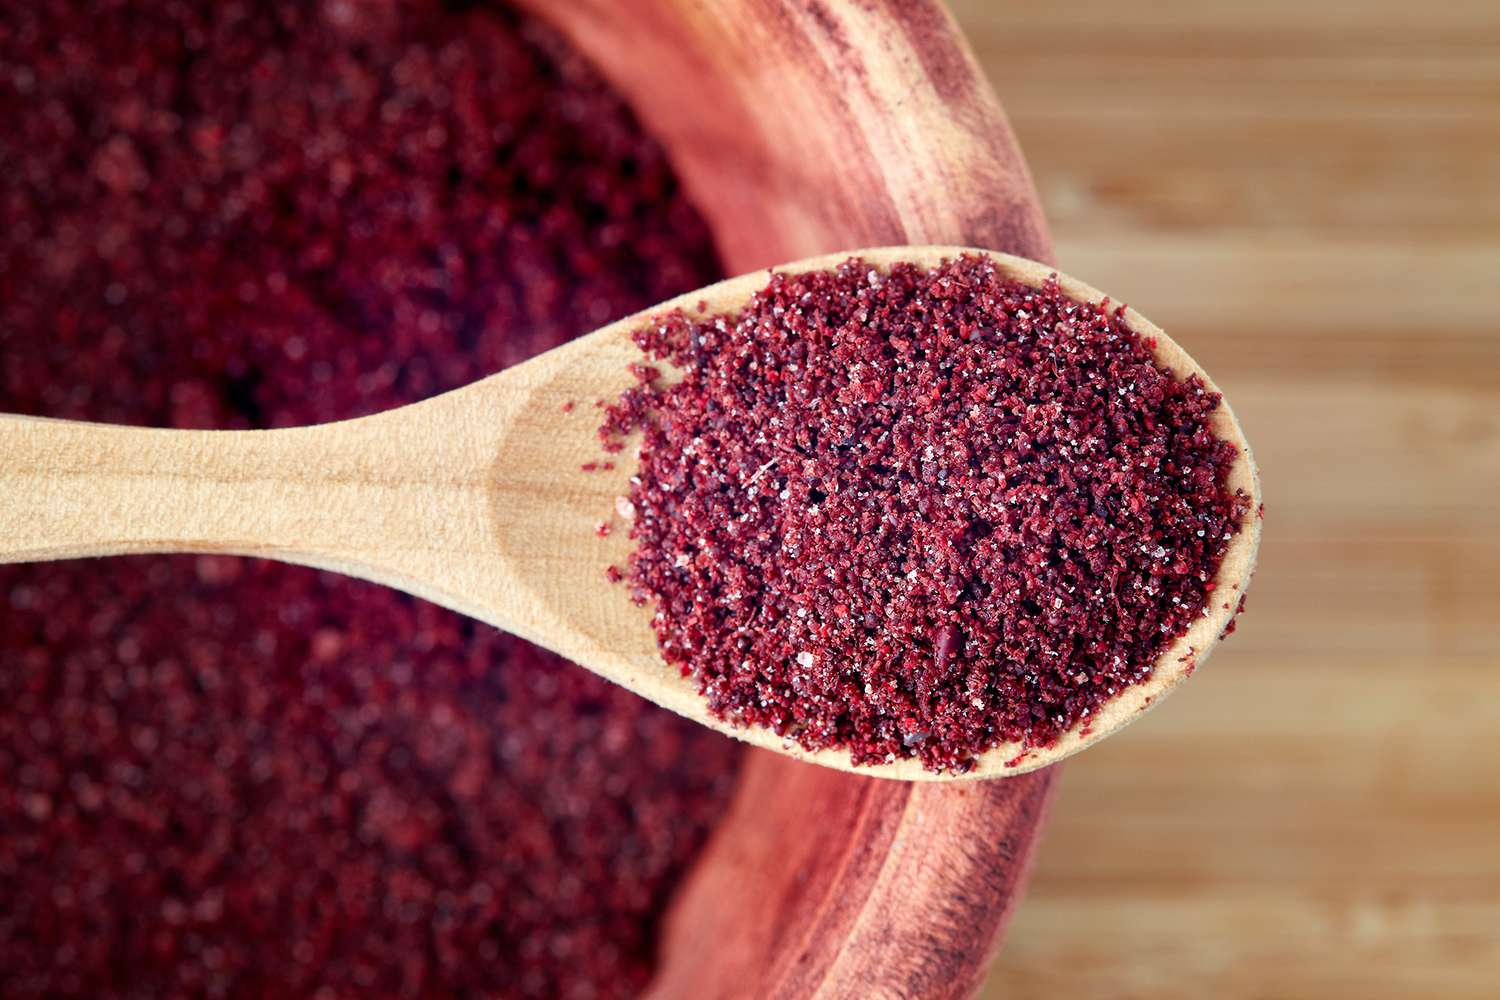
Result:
x=920 y=514
x=221 y=777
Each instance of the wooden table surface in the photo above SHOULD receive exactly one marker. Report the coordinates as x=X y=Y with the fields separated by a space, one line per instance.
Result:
x=1306 y=194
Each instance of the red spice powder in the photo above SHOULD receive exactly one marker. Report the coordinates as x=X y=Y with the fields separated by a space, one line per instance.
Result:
x=918 y=514
x=221 y=777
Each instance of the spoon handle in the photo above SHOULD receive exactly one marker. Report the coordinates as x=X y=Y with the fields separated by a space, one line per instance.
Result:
x=406 y=498
x=70 y=489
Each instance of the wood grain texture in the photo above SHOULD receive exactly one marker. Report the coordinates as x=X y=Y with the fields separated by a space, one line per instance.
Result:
x=805 y=127
x=485 y=500
x=1308 y=194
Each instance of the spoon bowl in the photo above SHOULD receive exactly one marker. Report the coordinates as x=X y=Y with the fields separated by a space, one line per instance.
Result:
x=479 y=500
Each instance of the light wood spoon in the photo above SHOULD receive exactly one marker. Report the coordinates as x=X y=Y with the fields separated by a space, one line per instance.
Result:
x=477 y=500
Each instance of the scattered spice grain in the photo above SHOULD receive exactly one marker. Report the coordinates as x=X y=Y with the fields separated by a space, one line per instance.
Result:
x=1234 y=620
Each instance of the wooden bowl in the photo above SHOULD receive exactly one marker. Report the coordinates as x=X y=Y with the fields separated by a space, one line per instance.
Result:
x=803 y=127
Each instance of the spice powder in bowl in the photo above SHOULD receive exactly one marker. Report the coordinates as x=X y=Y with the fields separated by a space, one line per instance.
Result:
x=227 y=778
x=919 y=513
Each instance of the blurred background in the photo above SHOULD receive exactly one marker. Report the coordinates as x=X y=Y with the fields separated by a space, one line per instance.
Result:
x=1307 y=195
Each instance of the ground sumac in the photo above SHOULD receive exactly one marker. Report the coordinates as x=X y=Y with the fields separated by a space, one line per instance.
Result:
x=222 y=777
x=919 y=513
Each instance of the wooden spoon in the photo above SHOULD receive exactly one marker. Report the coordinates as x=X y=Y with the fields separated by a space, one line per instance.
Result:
x=477 y=500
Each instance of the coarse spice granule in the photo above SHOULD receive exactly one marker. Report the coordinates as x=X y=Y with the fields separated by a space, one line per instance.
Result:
x=231 y=778
x=919 y=513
